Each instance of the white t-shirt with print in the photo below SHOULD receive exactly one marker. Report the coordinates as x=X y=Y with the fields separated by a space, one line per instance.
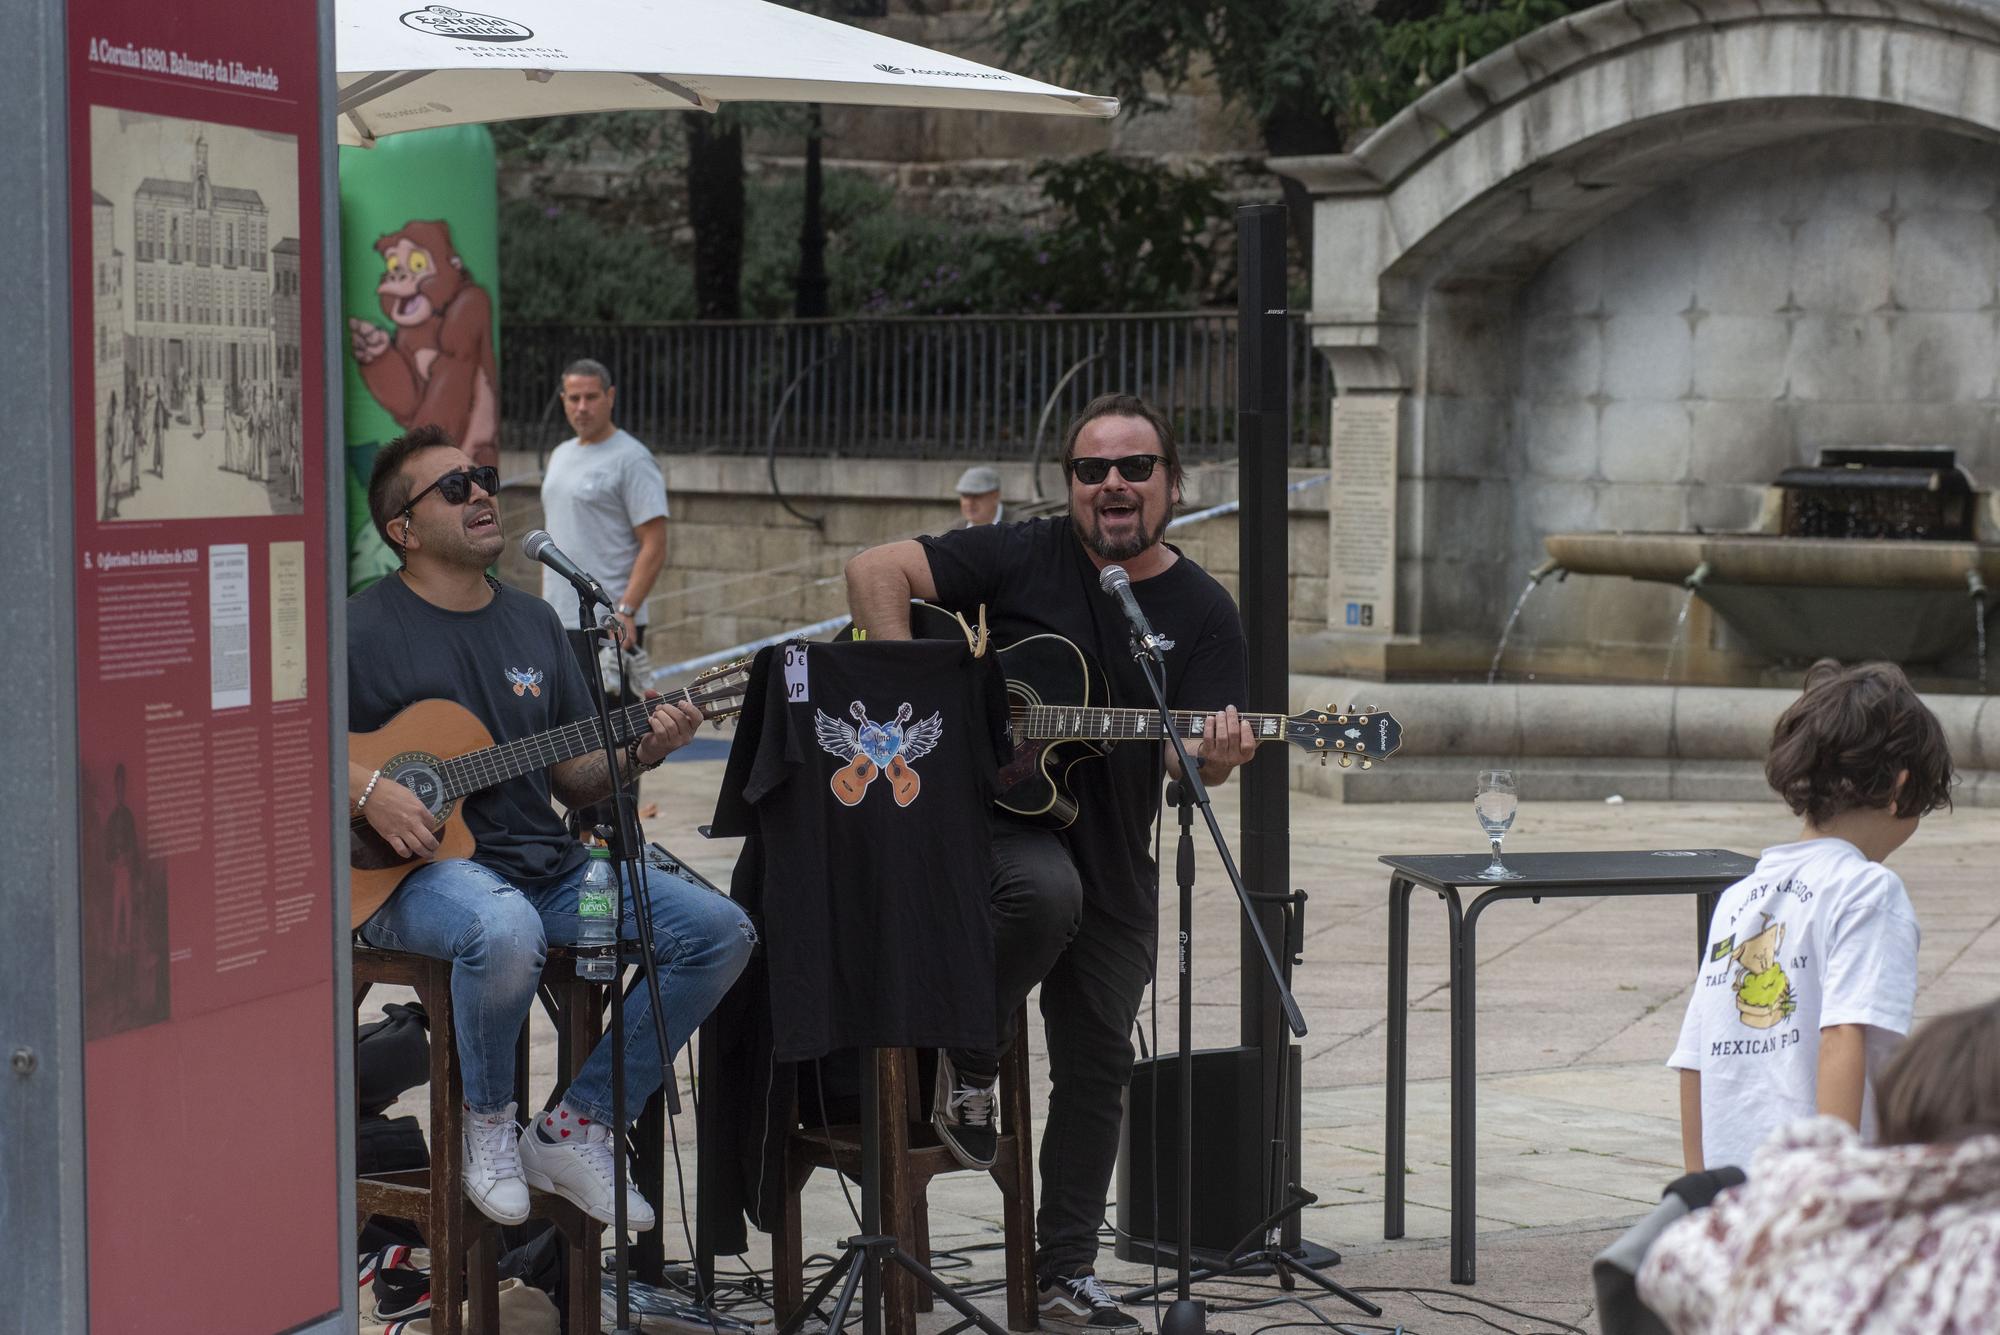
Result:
x=593 y=497
x=1816 y=936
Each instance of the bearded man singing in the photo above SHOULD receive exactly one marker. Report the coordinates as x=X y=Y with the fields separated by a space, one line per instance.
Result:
x=1077 y=909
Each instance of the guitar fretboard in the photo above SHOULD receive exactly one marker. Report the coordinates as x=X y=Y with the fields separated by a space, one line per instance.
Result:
x=496 y=764
x=1067 y=722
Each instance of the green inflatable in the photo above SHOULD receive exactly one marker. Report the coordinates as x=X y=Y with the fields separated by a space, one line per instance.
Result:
x=419 y=265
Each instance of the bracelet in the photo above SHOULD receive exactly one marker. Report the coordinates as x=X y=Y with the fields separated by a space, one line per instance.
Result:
x=373 y=779
x=639 y=766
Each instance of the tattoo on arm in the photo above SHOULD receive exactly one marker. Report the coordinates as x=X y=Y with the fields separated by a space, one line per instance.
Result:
x=581 y=780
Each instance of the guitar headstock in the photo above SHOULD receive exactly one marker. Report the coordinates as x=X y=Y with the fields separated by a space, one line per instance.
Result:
x=1348 y=735
x=718 y=693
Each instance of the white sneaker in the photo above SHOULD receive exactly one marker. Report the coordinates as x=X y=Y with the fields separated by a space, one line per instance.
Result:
x=493 y=1179
x=577 y=1166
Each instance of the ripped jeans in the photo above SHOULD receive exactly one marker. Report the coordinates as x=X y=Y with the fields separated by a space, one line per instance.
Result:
x=495 y=937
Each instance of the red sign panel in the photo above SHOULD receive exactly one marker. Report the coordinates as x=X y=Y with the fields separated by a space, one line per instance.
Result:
x=204 y=720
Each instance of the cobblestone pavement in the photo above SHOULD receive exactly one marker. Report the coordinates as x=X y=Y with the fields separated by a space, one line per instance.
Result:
x=1580 y=1002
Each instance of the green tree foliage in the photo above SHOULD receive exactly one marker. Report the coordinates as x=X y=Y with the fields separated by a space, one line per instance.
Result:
x=1289 y=63
x=1310 y=72
x=1414 y=53
x=565 y=265
x=1126 y=236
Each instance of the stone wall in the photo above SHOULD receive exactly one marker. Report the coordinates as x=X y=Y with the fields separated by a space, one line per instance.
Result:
x=740 y=567
x=1618 y=274
x=1666 y=366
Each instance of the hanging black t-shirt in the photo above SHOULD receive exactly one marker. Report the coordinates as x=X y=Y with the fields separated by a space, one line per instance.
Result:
x=1036 y=578
x=869 y=769
x=508 y=663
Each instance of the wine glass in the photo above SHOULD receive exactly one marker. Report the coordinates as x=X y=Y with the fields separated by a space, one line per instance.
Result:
x=1494 y=805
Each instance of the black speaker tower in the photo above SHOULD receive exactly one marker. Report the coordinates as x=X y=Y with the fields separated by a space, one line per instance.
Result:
x=1274 y=911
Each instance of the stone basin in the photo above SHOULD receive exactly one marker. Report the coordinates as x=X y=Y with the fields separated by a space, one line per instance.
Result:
x=1805 y=598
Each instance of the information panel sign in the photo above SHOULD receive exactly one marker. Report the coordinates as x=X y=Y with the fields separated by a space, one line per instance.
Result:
x=204 y=714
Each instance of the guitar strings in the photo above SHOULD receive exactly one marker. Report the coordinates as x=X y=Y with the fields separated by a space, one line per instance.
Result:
x=479 y=769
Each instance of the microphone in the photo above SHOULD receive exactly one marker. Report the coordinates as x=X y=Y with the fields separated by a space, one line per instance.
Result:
x=1114 y=581
x=539 y=546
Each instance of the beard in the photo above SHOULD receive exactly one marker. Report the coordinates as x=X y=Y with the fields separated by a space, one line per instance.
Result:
x=451 y=544
x=1119 y=549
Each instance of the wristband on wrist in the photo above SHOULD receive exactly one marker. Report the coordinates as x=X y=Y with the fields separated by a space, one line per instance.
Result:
x=368 y=792
x=640 y=766
x=627 y=611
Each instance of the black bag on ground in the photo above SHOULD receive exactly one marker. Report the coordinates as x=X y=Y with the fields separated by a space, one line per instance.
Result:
x=391 y=1055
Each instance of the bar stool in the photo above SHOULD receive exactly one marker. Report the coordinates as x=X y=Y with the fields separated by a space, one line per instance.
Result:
x=911 y=1157
x=434 y=1198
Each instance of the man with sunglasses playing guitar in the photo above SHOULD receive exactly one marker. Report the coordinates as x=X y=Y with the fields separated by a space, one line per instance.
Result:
x=441 y=627
x=1077 y=909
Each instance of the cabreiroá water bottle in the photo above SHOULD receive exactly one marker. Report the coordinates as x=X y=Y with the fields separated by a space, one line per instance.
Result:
x=597 y=917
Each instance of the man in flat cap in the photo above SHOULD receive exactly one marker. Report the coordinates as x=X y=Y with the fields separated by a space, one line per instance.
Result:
x=979 y=496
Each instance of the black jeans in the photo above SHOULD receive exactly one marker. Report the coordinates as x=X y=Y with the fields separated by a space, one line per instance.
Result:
x=1093 y=972
x=602 y=813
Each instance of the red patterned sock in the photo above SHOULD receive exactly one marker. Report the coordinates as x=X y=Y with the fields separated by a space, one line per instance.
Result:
x=564 y=1123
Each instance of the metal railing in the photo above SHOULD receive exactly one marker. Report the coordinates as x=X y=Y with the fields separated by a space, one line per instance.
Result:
x=950 y=387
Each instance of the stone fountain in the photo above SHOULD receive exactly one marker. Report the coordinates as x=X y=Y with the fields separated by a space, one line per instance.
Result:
x=1872 y=552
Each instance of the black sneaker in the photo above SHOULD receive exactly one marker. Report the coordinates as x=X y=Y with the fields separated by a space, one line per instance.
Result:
x=1082 y=1300
x=402 y=1293
x=963 y=1114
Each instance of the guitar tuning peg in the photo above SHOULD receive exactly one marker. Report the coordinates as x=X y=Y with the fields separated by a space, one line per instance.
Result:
x=1368 y=764
x=1346 y=761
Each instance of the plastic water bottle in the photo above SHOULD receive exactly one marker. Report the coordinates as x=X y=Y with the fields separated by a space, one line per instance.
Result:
x=597 y=918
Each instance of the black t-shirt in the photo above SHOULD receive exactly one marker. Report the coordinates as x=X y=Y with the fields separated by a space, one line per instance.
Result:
x=1034 y=578
x=508 y=663
x=869 y=768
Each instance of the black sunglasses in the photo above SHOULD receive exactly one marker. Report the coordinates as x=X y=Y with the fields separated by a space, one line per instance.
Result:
x=1133 y=468
x=456 y=486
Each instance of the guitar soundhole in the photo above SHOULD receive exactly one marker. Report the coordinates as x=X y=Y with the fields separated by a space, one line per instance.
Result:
x=416 y=771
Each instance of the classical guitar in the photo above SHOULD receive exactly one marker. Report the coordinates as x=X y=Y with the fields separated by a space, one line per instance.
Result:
x=1059 y=716
x=442 y=753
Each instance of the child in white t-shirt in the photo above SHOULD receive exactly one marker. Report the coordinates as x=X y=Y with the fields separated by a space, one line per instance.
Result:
x=1811 y=968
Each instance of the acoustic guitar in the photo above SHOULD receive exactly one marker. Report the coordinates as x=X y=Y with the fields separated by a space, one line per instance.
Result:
x=438 y=750
x=1059 y=717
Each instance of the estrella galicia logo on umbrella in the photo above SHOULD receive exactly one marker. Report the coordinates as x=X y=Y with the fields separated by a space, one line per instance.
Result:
x=462 y=25
x=945 y=74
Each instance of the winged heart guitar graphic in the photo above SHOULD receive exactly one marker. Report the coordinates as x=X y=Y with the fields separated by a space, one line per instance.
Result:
x=876 y=749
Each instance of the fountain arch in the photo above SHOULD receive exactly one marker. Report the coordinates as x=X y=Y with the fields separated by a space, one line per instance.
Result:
x=1549 y=294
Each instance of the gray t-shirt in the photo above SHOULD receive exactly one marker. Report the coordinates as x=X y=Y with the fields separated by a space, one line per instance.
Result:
x=593 y=496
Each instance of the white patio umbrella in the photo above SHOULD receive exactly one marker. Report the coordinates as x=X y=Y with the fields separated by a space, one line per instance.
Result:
x=404 y=65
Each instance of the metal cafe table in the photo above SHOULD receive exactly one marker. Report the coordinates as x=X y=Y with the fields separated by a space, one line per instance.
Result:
x=1701 y=872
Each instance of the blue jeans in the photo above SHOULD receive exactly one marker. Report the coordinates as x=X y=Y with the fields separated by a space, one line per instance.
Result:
x=496 y=938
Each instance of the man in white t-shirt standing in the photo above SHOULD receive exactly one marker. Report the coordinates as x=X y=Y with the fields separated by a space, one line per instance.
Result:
x=1810 y=974
x=605 y=504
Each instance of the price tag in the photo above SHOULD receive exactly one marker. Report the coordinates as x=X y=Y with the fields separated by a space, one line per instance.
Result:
x=795 y=674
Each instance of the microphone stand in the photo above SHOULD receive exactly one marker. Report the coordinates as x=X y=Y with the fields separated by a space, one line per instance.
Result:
x=631 y=879
x=1185 y=1315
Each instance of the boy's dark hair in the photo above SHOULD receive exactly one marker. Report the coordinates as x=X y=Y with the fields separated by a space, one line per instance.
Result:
x=1842 y=743
x=1126 y=405
x=1944 y=1083
x=388 y=489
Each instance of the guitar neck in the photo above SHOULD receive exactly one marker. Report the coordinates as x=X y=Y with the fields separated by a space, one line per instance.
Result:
x=1076 y=723
x=476 y=770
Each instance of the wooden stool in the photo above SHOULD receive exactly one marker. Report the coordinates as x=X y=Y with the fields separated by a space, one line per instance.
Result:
x=434 y=1198
x=911 y=1157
